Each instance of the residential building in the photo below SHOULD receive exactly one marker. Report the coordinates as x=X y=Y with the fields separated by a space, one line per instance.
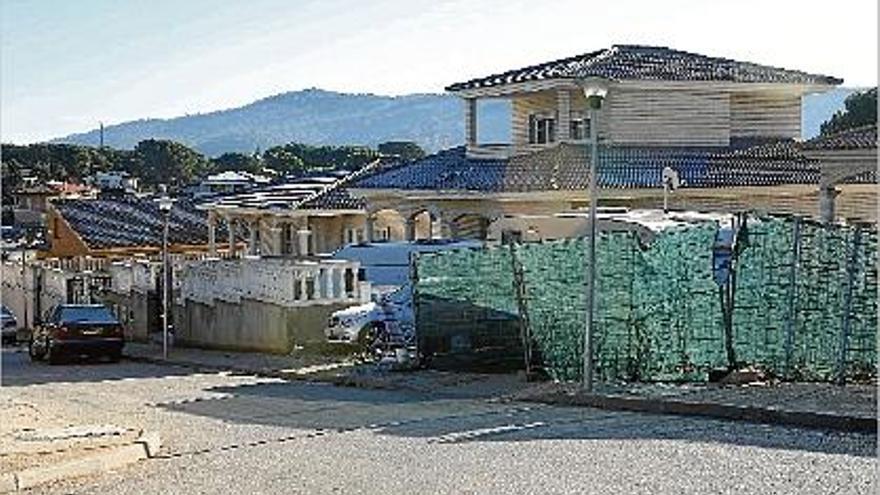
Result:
x=662 y=109
x=123 y=226
x=302 y=217
x=229 y=182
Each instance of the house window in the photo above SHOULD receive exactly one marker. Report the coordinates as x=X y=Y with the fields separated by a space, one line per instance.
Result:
x=580 y=128
x=542 y=129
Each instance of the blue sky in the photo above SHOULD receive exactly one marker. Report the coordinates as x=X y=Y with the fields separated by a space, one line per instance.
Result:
x=65 y=65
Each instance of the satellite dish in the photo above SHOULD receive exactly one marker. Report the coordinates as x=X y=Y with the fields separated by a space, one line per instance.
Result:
x=671 y=181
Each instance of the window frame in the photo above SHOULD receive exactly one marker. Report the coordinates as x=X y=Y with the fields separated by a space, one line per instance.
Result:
x=542 y=124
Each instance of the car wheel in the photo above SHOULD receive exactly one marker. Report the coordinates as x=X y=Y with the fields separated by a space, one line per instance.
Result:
x=53 y=354
x=35 y=353
x=370 y=341
x=114 y=356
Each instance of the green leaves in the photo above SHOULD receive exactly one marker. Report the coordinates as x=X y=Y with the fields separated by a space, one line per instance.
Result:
x=861 y=109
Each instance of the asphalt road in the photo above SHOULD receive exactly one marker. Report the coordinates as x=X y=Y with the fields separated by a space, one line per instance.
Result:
x=242 y=434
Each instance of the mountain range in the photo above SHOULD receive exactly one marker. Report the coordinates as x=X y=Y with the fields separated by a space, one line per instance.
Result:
x=321 y=117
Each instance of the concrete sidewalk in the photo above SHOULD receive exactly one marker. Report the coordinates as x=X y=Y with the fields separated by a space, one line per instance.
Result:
x=39 y=446
x=813 y=405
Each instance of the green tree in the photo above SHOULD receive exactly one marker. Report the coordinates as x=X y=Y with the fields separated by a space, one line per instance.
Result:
x=298 y=157
x=861 y=109
x=167 y=162
x=405 y=150
x=283 y=160
x=237 y=162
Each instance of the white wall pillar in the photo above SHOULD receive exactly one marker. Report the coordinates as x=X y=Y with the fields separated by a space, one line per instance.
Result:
x=436 y=225
x=369 y=227
x=470 y=121
x=254 y=227
x=410 y=229
x=230 y=229
x=331 y=283
x=827 y=195
x=303 y=274
x=302 y=236
x=271 y=244
x=563 y=115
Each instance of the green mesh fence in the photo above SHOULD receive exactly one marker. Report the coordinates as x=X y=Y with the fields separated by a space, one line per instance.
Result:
x=802 y=293
x=466 y=308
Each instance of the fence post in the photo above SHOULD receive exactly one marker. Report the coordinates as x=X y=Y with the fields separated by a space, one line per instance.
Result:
x=847 y=305
x=791 y=321
x=519 y=290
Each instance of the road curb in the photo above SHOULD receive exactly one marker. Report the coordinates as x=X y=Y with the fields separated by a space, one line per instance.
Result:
x=751 y=414
x=144 y=447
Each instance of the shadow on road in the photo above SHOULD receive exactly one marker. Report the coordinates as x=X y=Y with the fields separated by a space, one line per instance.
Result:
x=17 y=370
x=450 y=420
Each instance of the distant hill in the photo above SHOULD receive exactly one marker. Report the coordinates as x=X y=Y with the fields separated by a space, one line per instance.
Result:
x=314 y=117
x=321 y=117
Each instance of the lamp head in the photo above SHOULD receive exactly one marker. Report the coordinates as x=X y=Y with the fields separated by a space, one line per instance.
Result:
x=165 y=204
x=595 y=89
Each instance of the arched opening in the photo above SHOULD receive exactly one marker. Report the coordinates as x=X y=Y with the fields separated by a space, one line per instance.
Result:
x=422 y=226
x=388 y=225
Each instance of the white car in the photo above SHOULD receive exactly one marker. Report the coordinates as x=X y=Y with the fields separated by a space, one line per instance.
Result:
x=389 y=318
x=346 y=325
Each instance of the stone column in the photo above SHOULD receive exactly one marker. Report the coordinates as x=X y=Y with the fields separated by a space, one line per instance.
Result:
x=470 y=121
x=436 y=227
x=302 y=285
x=230 y=232
x=369 y=226
x=252 y=240
x=331 y=283
x=563 y=115
x=271 y=244
x=410 y=229
x=212 y=234
x=827 y=195
x=303 y=241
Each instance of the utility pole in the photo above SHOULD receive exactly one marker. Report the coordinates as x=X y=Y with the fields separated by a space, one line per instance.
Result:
x=102 y=135
x=165 y=204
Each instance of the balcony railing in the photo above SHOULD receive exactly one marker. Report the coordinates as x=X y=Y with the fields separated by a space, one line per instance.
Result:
x=493 y=151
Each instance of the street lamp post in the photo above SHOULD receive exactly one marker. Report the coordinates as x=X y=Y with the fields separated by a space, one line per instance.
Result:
x=595 y=92
x=165 y=203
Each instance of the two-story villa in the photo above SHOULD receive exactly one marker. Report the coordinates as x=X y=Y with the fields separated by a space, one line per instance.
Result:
x=662 y=108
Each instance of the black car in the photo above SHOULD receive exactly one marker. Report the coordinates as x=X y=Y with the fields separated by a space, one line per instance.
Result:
x=77 y=330
x=10 y=326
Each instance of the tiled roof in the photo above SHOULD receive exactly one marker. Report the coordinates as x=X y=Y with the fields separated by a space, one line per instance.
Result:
x=626 y=62
x=774 y=163
x=324 y=191
x=864 y=137
x=564 y=167
x=133 y=222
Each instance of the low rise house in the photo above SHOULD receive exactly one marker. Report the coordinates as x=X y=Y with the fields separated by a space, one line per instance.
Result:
x=123 y=226
x=711 y=120
x=116 y=182
x=225 y=183
x=303 y=217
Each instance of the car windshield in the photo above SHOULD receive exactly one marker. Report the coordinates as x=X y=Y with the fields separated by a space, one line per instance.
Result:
x=5 y=311
x=91 y=314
